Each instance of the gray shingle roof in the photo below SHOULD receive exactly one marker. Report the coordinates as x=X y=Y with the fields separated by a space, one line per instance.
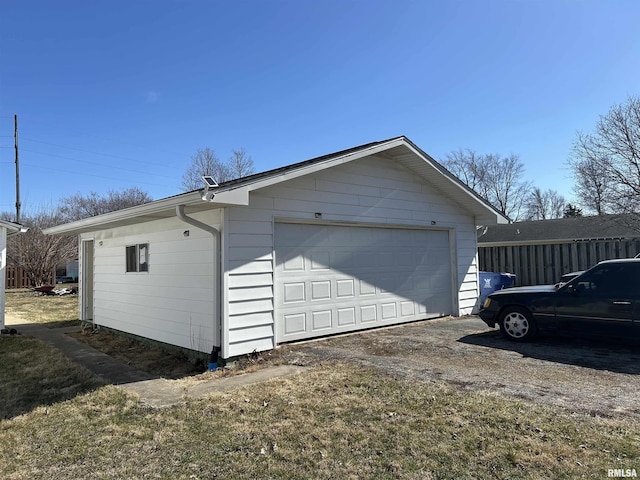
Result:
x=562 y=229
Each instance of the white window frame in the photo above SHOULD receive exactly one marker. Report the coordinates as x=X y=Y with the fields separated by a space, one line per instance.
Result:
x=141 y=258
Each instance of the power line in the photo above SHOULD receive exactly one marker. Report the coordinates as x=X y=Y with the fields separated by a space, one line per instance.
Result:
x=144 y=172
x=90 y=174
x=98 y=153
x=115 y=140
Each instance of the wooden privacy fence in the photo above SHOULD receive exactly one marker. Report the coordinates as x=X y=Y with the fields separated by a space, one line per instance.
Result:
x=545 y=264
x=17 y=278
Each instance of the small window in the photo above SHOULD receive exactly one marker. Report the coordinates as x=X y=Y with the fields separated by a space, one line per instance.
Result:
x=137 y=258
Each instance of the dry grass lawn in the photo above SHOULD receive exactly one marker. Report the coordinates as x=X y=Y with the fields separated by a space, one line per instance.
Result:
x=337 y=420
x=170 y=363
x=52 y=310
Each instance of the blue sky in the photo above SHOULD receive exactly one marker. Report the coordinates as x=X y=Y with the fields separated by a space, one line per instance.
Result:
x=114 y=94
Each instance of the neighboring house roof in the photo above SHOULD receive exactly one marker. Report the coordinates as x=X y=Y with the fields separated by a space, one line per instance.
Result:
x=13 y=228
x=560 y=230
x=236 y=192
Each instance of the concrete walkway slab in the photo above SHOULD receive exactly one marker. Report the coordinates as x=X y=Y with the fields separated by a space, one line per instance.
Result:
x=161 y=393
x=153 y=391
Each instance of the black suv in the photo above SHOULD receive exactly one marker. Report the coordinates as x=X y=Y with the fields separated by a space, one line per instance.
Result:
x=604 y=300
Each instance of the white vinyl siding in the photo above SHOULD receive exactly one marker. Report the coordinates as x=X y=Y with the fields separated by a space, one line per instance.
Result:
x=172 y=303
x=371 y=191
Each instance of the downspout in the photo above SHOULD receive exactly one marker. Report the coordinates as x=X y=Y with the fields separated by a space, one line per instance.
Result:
x=217 y=268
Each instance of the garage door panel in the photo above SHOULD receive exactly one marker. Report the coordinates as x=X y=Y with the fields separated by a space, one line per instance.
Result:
x=345 y=288
x=385 y=259
x=332 y=279
x=340 y=236
x=389 y=310
x=367 y=288
x=294 y=292
x=320 y=290
x=294 y=263
x=368 y=313
x=321 y=320
x=346 y=316
x=320 y=260
x=294 y=323
x=407 y=309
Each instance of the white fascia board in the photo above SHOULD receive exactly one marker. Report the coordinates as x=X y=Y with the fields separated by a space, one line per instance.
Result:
x=491 y=219
x=238 y=196
x=191 y=198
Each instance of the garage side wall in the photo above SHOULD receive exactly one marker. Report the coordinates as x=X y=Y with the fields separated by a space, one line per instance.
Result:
x=371 y=191
x=174 y=301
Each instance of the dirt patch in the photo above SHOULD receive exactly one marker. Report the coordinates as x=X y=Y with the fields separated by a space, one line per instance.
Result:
x=172 y=363
x=601 y=378
x=143 y=356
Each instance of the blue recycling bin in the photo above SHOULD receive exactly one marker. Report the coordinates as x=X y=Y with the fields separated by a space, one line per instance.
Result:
x=491 y=282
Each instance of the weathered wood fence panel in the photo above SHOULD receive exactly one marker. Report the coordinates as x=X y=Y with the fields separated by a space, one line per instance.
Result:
x=545 y=264
x=17 y=278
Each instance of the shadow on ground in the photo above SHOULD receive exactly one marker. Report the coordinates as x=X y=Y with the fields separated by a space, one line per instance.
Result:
x=35 y=375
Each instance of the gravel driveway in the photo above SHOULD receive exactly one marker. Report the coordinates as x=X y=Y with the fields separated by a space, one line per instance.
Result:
x=584 y=375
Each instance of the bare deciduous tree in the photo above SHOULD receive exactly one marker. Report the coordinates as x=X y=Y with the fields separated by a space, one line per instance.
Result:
x=496 y=178
x=240 y=164
x=80 y=206
x=39 y=254
x=206 y=162
x=606 y=163
x=468 y=167
x=593 y=185
x=545 y=205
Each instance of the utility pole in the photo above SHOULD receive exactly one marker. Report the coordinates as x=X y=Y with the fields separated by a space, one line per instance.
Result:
x=15 y=136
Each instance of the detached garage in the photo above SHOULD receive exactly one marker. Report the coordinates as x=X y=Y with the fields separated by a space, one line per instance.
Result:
x=376 y=235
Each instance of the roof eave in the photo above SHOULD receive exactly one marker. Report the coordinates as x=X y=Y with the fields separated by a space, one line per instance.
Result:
x=94 y=223
x=554 y=241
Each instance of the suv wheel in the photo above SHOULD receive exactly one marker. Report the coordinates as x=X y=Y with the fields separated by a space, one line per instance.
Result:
x=517 y=324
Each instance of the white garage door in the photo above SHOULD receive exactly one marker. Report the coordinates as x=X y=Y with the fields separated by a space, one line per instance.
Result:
x=332 y=279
